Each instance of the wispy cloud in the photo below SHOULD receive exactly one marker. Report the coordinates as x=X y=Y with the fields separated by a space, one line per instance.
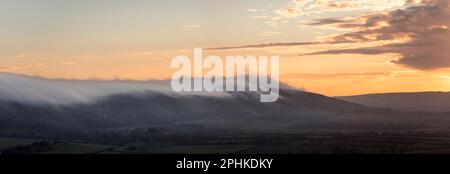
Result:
x=296 y=8
x=189 y=27
x=260 y=17
x=419 y=34
x=289 y=12
x=265 y=45
x=336 y=75
x=256 y=10
x=268 y=33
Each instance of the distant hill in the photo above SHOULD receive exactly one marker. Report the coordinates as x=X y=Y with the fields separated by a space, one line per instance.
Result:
x=36 y=106
x=415 y=101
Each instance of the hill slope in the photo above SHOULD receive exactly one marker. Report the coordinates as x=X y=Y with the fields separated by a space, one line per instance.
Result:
x=419 y=101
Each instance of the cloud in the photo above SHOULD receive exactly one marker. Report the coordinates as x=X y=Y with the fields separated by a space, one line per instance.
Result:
x=37 y=90
x=336 y=75
x=261 y=17
x=418 y=34
x=327 y=21
x=189 y=27
x=342 y=5
x=266 y=45
x=289 y=12
x=256 y=10
x=267 y=33
x=296 y=8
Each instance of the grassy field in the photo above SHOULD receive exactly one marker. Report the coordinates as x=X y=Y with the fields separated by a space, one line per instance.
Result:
x=69 y=148
x=11 y=142
x=200 y=149
x=78 y=148
x=369 y=142
x=183 y=149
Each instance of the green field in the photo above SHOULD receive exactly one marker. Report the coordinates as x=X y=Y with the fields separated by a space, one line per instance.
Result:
x=11 y=142
x=81 y=148
x=78 y=148
x=199 y=149
x=69 y=148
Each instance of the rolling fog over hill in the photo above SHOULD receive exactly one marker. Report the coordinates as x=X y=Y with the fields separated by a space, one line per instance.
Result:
x=49 y=106
x=330 y=47
x=147 y=117
x=34 y=90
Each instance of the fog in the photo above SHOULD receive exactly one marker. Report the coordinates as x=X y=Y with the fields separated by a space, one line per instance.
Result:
x=43 y=91
x=36 y=90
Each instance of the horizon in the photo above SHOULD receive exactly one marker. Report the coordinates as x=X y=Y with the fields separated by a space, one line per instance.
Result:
x=168 y=84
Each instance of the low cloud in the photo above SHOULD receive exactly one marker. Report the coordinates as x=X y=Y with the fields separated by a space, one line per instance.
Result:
x=36 y=90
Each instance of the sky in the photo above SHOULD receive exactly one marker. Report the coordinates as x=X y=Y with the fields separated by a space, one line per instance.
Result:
x=330 y=47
